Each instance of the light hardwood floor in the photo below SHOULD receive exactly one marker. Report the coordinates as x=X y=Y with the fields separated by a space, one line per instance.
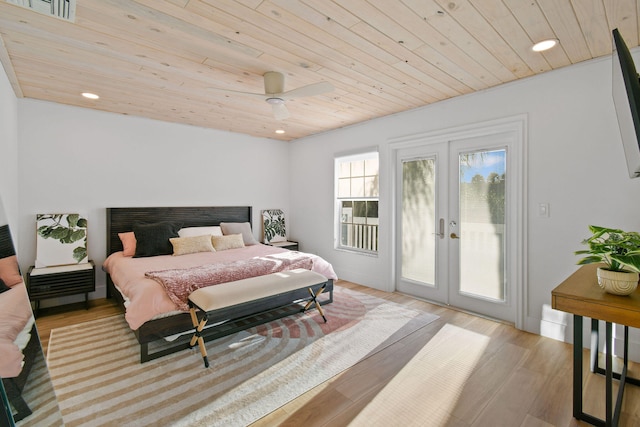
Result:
x=521 y=380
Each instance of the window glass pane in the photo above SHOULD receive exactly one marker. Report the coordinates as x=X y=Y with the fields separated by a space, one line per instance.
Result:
x=372 y=209
x=418 y=221
x=357 y=168
x=371 y=167
x=371 y=186
x=344 y=169
x=346 y=212
x=357 y=187
x=359 y=209
x=346 y=235
x=482 y=207
x=344 y=187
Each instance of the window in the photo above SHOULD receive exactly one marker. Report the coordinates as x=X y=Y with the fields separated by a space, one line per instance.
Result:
x=357 y=202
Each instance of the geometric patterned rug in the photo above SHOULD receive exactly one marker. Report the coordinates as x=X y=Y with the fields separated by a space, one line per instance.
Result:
x=99 y=380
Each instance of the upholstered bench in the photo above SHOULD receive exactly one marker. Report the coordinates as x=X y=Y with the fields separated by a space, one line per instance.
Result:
x=242 y=297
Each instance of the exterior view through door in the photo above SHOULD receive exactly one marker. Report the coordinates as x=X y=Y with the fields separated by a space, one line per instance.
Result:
x=457 y=210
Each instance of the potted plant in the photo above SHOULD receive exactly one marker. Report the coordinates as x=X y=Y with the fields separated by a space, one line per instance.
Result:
x=620 y=252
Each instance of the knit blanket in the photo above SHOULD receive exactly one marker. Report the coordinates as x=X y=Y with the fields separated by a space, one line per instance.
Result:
x=180 y=283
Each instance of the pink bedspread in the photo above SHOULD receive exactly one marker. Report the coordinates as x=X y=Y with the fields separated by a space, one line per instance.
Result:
x=15 y=315
x=145 y=298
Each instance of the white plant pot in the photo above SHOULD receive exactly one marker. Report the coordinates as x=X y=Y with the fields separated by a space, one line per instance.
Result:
x=617 y=282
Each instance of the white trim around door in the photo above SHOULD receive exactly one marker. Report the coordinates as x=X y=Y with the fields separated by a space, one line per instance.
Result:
x=515 y=130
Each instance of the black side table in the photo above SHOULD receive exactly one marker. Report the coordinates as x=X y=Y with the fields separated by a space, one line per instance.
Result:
x=54 y=282
x=292 y=246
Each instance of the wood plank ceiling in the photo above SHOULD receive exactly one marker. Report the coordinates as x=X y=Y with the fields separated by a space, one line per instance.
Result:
x=165 y=59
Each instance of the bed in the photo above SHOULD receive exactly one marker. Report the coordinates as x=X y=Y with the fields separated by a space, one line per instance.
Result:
x=19 y=343
x=19 y=346
x=151 y=308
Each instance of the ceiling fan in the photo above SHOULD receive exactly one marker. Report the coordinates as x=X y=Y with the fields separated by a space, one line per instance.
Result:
x=275 y=95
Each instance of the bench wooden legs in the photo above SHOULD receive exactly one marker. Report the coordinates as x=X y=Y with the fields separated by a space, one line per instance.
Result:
x=197 y=336
x=314 y=300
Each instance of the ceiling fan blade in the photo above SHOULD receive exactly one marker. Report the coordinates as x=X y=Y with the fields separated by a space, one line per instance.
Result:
x=237 y=92
x=308 y=90
x=280 y=111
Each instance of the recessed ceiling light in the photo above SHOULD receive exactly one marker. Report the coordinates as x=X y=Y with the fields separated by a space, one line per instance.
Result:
x=280 y=131
x=90 y=95
x=544 y=45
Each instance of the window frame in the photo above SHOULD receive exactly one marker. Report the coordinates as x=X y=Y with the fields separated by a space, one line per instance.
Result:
x=366 y=154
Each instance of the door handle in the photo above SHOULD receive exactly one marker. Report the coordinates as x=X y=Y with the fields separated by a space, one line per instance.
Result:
x=454 y=236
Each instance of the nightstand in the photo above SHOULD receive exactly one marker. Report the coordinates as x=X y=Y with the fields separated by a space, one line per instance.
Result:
x=292 y=246
x=54 y=282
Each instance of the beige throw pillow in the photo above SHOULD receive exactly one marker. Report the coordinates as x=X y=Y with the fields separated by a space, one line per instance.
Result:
x=191 y=245
x=231 y=241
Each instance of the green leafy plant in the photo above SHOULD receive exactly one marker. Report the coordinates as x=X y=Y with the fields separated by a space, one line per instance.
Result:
x=618 y=249
x=67 y=229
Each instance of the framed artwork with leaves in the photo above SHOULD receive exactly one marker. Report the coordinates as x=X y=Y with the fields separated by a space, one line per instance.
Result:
x=61 y=239
x=273 y=226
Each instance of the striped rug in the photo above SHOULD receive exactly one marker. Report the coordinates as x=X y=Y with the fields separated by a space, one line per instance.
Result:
x=99 y=381
x=38 y=394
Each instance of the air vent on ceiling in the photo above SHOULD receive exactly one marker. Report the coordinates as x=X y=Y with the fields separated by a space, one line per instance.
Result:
x=64 y=9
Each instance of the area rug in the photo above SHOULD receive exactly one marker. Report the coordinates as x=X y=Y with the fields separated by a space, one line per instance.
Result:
x=99 y=380
x=39 y=395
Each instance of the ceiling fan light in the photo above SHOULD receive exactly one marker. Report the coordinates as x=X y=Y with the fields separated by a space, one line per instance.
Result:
x=275 y=101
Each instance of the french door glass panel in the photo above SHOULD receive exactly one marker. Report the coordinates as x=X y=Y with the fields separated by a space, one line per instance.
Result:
x=421 y=202
x=482 y=223
x=418 y=221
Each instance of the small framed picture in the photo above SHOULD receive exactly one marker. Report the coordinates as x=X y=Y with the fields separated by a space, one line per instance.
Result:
x=273 y=227
x=61 y=239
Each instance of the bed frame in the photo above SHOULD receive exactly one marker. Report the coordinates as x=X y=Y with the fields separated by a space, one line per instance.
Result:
x=121 y=220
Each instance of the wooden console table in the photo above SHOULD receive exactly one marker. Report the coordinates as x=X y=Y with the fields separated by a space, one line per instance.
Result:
x=581 y=296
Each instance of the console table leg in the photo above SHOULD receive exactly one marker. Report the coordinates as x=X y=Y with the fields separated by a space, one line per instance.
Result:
x=577 y=366
x=609 y=373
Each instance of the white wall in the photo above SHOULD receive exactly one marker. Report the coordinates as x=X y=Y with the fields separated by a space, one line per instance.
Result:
x=79 y=160
x=575 y=163
x=8 y=154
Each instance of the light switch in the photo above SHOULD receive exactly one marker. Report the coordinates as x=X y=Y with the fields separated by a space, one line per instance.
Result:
x=543 y=210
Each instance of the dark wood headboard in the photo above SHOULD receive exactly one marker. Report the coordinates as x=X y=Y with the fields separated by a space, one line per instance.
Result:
x=121 y=220
x=6 y=243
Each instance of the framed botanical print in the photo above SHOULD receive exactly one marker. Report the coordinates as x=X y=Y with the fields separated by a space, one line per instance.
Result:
x=61 y=239
x=273 y=226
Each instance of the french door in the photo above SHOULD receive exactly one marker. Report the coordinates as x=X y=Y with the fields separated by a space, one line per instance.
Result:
x=456 y=204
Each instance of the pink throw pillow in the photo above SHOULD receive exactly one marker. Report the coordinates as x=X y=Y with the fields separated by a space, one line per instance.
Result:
x=9 y=271
x=128 y=243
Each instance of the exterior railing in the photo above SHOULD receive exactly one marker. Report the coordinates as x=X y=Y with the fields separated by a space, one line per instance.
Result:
x=360 y=236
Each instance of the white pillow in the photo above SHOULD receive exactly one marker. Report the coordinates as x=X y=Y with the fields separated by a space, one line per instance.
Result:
x=200 y=231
